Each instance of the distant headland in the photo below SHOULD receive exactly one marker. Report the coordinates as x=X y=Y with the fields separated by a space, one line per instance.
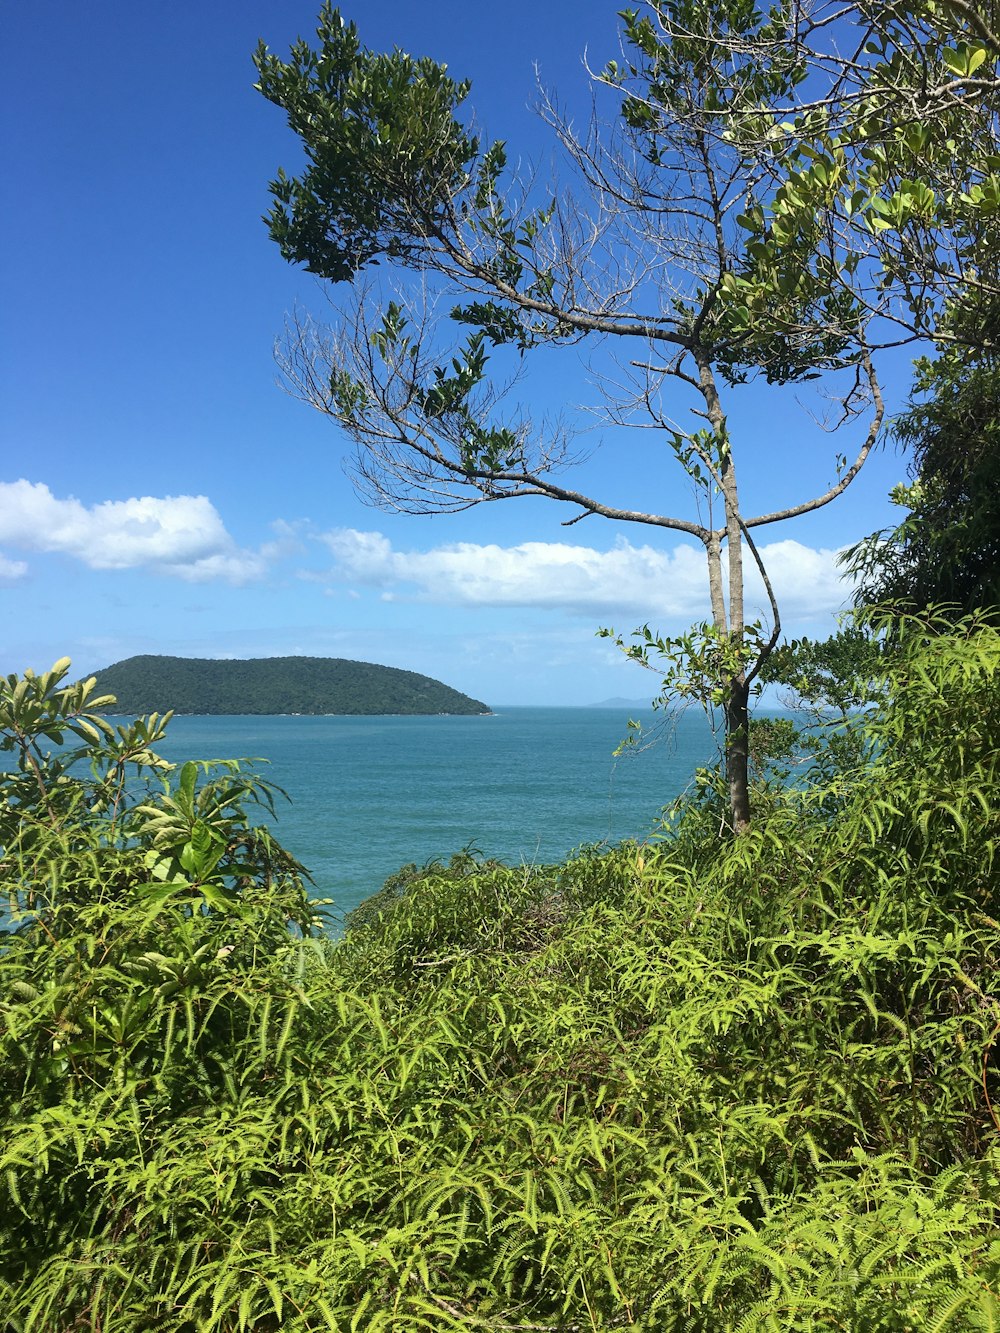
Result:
x=303 y=685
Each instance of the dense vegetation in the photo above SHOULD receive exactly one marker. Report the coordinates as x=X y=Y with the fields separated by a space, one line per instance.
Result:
x=275 y=685
x=947 y=548
x=700 y=1084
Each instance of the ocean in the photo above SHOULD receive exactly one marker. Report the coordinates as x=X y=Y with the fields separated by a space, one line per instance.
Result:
x=526 y=785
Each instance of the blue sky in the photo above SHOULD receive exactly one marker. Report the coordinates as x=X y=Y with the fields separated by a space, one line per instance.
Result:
x=160 y=493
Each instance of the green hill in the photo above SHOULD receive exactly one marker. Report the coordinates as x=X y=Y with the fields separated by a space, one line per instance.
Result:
x=151 y=684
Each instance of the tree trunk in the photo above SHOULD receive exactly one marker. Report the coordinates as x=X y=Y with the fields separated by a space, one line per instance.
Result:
x=738 y=753
x=728 y=621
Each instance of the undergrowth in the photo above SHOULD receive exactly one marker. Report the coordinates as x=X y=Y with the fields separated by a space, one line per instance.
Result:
x=688 y=1085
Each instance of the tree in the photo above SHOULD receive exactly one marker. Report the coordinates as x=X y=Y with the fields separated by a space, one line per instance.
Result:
x=713 y=239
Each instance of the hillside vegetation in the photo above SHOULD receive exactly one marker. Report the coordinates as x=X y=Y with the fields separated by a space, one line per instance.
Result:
x=150 y=684
x=702 y=1084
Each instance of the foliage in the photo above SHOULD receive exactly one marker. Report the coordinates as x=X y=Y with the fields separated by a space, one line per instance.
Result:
x=696 y=664
x=142 y=905
x=277 y=685
x=685 y=1086
x=829 y=683
x=947 y=548
x=840 y=673
x=892 y=148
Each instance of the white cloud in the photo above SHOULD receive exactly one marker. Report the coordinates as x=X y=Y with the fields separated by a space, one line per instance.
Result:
x=638 y=580
x=182 y=535
x=11 y=570
x=232 y=566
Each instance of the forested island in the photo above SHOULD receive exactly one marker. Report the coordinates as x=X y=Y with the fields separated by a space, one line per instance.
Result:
x=312 y=685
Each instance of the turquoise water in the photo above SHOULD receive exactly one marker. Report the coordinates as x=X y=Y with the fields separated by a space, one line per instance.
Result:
x=369 y=794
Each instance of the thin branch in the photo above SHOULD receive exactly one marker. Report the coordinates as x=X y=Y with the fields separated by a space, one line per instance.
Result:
x=793 y=511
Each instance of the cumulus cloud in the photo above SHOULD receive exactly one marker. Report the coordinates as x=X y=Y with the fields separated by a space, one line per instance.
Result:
x=639 y=579
x=182 y=535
